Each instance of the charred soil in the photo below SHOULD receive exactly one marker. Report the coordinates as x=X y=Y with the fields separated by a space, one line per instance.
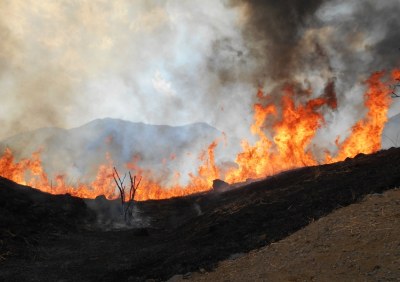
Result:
x=359 y=242
x=52 y=238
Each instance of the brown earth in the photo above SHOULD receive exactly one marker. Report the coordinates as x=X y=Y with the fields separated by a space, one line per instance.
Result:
x=360 y=242
x=60 y=238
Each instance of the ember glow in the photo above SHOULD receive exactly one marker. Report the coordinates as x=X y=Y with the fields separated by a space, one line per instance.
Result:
x=284 y=130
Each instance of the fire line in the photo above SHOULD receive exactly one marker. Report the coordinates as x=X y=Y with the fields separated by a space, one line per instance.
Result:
x=293 y=128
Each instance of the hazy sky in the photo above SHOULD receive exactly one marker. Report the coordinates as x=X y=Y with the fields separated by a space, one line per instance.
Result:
x=64 y=63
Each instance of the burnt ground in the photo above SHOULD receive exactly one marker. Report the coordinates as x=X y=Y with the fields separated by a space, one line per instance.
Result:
x=59 y=238
x=359 y=242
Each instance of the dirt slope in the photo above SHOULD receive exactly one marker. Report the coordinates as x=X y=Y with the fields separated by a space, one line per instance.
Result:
x=356 y=243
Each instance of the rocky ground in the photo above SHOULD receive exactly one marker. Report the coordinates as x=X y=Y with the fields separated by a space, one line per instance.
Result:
x=60 y=238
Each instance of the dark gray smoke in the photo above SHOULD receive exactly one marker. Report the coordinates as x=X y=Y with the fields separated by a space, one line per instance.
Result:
x=272 y=34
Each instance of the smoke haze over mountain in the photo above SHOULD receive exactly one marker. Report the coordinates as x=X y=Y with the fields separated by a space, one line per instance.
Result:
x=77 y=153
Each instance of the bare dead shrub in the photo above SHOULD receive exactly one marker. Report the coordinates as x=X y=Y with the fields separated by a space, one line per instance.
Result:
x=127 y=200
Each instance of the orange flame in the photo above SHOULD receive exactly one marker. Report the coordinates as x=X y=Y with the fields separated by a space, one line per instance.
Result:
x=32 y=169
x=286 y=146
x=366 y=134
x=287 y=149
x=104 y=181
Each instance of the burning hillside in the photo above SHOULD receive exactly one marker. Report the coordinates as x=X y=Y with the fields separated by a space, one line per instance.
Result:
x=285 y=134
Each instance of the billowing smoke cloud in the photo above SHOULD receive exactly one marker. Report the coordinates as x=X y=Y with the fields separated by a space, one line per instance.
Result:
x=344 y=39
x=64 y=63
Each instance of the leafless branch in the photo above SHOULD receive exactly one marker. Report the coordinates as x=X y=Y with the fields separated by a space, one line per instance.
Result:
x=127 y=203
x=120 y=185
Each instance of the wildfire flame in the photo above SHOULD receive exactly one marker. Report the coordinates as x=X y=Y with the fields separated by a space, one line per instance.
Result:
x=287 y=147
x=366 y=134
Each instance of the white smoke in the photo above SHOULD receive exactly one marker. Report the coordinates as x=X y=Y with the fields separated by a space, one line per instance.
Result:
x=64 y=63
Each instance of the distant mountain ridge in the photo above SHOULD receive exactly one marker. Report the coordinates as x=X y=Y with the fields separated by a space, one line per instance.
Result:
x=78 y=151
